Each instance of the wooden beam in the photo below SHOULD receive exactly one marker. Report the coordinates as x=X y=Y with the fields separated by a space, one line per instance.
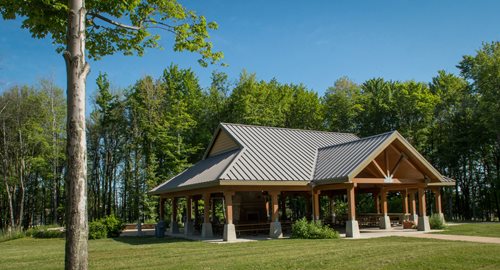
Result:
x=383 y=197
x=375 y=163
x=386 y=163
x=382 y=181
x=188 y=209
x=162 y=209
x=396 y=167
x=437 y=199
x=404 y=194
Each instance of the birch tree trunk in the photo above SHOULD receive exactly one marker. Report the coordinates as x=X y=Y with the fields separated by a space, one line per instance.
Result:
x=77 y=70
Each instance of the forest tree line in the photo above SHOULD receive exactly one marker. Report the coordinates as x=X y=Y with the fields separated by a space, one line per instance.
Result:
x=143 y=135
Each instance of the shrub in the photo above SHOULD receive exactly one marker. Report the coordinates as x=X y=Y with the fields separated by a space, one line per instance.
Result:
x=114 y=226
x=109 y=226
x=97 y=230
x=45 y=232
x=312 y=230
x=436 y=222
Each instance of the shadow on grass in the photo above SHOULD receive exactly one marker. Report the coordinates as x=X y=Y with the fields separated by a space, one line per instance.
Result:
x=148 y=240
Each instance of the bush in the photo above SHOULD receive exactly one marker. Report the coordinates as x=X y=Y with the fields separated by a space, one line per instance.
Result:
x=45 y=232
x=312 y=230
x=109 y=226
x=436 y=222
x=97 y=230
x=113 y=225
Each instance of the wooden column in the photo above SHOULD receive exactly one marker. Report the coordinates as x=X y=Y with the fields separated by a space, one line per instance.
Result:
x=437 y=198
x=162 y=209
x=316 y=206
x=413 y=203
x=174 y=209
x=351 y=203
x=376 y=198
x=421 y=202
x=188 y=209
x=404 y=193
x=228 y=197
x=196 y=211
x=206 y=207
x=274 y=206
x=383 y=197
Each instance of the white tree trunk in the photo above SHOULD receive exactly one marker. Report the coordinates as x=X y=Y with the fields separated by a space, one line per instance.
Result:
x=77 y=70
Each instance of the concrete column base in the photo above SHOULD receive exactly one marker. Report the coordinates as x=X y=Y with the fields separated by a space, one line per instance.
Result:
x=188 y=228
x=206 y=230
x=423 y=224
x=441 y=216
x=352 y=229
x=385 y=222
x=414 y=218
x=275 y=230
x=229 y=233
x=174 y=227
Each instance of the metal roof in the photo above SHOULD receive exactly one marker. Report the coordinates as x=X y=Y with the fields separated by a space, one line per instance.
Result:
x=283 y=154
x=205 y=171
x=279 y=154
x=338 y=161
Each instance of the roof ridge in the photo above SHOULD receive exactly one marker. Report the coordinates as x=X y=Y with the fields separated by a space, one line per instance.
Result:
x=360 y=139
x=294 y=129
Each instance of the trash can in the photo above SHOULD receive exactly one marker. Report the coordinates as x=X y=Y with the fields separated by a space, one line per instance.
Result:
x=160 y=229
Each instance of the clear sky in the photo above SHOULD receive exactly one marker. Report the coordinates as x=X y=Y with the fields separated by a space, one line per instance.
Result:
x=309 y=42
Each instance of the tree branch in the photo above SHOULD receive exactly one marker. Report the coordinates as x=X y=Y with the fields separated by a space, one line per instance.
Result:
x=126 y=26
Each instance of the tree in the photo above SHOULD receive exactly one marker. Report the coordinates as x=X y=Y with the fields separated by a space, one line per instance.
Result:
x=101 y=33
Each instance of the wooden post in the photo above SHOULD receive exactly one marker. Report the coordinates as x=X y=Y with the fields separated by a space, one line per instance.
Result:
x=351 y=201
x=162 y=209
x=383 y=196
x=316 y=208
x=206 y=208
x=274 y=208
x=404 y=193
x=196 y=211
x=421 y=202
x=437 y=198
x=174 y=209
x=228 y=197
x=377 y=201
x=413 y=203
x=188 y=209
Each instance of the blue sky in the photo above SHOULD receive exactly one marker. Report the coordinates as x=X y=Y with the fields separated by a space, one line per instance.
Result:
x=309 y=42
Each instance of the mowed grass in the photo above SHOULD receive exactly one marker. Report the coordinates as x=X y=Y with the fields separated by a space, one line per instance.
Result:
x=151 y=253
x=489 y=229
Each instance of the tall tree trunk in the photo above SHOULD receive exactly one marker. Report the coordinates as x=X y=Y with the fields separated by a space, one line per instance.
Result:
x=6 y=179
x=54 y=154
x=76 y=255
x=22 y=169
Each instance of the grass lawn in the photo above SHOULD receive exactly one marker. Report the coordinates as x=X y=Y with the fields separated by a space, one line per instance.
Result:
x=151 y=253
x=474 y=229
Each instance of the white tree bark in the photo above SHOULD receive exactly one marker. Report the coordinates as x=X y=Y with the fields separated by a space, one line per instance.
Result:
x=76 y=205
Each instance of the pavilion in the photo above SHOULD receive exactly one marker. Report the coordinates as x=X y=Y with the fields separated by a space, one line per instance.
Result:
x=252 y=170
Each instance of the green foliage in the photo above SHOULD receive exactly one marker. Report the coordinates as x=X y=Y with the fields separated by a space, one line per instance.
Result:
x=107 y=35
x=312 y=230
x=45 y=232
x=97 y=230
x=6 y=235
x=109 y=226
x=436 y=222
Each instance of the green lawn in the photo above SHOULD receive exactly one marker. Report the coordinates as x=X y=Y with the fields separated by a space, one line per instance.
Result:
x=474 y=229
x=151 y=253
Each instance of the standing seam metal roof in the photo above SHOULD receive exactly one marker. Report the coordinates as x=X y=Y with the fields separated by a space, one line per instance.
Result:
x=271 y=153
x=337 y=161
